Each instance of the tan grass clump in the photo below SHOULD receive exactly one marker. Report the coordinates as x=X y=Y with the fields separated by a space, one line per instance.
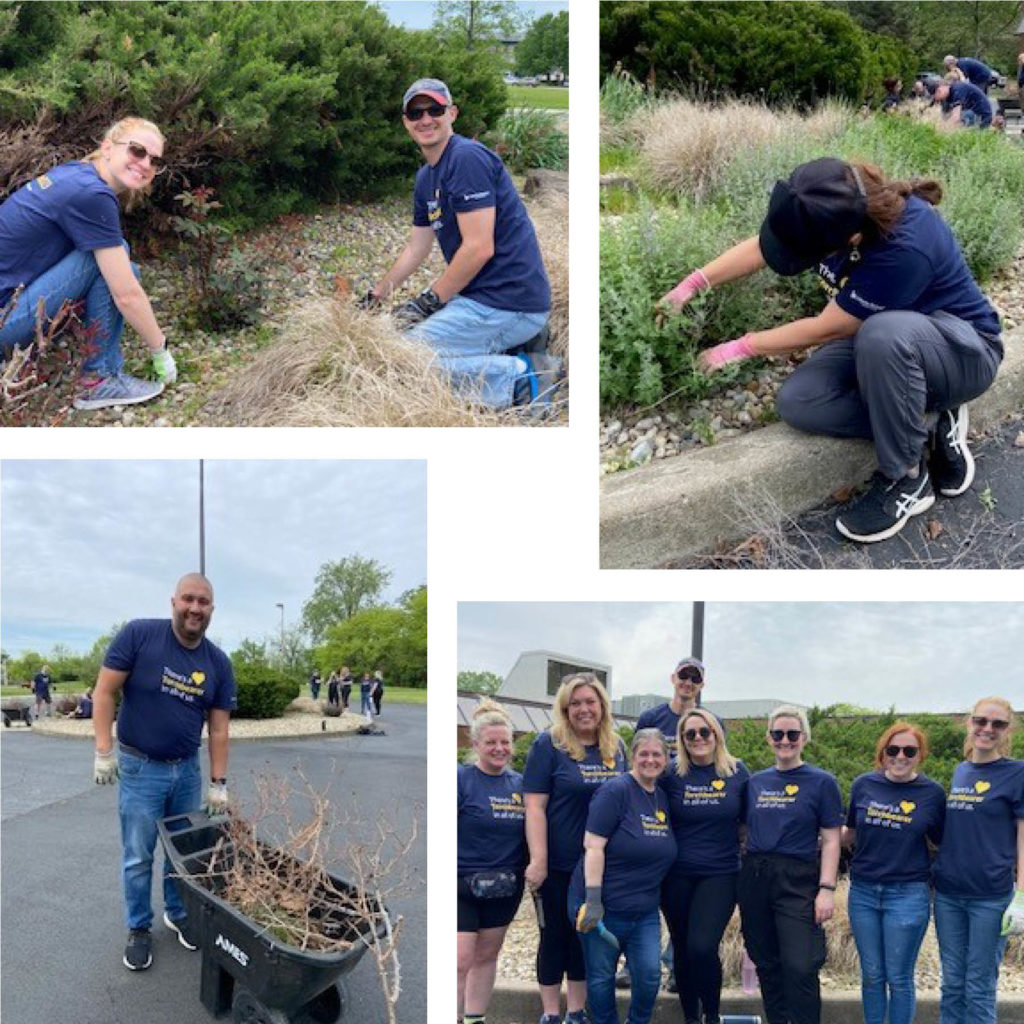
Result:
x=337 y=366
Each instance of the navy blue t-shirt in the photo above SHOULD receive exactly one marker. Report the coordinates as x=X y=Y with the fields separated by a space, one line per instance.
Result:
x=41 y=685
x=919 y=267
x=492 y=820
x=169 y=689
x=892 y=821
x=664 y=718
x=977 y=72
x=641 y=846
x=70 y=207
x=979 y=846
x=969 y=97
x=570 y=785
x=470 y=177
x=785 y=810
x=706 y=810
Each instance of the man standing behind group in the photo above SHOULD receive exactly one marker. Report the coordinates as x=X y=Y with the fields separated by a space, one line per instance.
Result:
x=494 y=294
x=687 y=682
x=172 y=680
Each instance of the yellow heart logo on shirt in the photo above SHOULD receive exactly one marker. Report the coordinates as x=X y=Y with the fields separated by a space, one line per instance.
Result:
x=718 y=784
x=907 y=806
x=660 y=815
x=609 y=762
x=792 y=790
x=982 y=787
x=517 y=798
x=199 y=678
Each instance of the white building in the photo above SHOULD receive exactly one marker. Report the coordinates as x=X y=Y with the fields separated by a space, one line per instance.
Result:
x=536 y=675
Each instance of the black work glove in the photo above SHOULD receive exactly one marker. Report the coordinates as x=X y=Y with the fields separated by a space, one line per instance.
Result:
x=369 y=301
x=416 y=310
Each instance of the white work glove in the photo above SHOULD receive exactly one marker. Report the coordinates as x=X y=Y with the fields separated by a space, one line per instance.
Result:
x=216 y=799
x=1013 y=916
x=164 y=365
x=104 y=768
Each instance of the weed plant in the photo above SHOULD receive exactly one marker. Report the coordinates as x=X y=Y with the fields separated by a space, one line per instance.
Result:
x=527 y=137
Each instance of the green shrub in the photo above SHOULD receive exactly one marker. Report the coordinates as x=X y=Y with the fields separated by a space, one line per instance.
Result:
x=263 y=692
x=527 y=137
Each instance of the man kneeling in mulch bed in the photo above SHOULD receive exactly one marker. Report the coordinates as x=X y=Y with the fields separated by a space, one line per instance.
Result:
x=485 y=317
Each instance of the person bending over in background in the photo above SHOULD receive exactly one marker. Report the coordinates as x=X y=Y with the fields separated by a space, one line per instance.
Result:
x=964 y=103
x=61 y=240
x=906 y=339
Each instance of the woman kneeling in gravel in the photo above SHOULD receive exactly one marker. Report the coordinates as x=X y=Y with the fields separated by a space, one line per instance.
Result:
x=907 y=337
x=60 y=240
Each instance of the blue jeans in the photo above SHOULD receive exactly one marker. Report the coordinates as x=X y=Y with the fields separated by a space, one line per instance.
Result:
x=365 y=704
x=75 y=277
x=151 y=790
x=888 y=922
x=469 y=338
x=639 y=938
x=971 y=950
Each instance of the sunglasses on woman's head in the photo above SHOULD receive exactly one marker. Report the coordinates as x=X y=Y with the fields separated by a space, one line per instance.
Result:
x=983 y=723
x=894 y=751
x=139 y=152
x=691 y=734
x=434 y=110
x=778 y=735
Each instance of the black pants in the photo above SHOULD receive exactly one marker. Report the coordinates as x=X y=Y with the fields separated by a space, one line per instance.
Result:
x=697 y=908
x=346 y=692
x=559 y=953
x=377 y=696
x=776 y=896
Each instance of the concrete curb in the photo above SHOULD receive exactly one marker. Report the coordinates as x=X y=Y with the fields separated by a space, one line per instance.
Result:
x=517 y=1002
x=683 y=505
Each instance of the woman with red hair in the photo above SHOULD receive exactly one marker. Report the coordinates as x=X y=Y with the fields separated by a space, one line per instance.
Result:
x=895 y=811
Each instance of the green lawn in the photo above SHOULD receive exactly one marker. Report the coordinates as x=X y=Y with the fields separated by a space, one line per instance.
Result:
x=404 y=695
x=393 y=694
x=548 y=97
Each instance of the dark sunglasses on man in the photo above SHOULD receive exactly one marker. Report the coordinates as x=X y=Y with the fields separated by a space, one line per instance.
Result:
x=433 y=109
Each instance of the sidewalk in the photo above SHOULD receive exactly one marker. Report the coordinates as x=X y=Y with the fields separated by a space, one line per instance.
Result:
x=683 y=505
x=517 y=1002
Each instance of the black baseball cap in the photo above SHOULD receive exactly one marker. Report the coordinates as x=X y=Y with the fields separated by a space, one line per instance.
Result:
x=812 y=213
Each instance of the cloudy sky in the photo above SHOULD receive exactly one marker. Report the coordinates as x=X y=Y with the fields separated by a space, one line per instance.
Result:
x=916 y=656
x=416 y=14
x=88 y=544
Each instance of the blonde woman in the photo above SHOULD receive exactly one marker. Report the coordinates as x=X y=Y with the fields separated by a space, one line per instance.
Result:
x=566 y=765
x=491 y=856
x=706 y=787
x=60 y=239
x=787 y=883
x=976 y=905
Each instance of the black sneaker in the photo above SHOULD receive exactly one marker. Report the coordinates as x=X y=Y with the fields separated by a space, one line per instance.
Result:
x=138 y=954
x=181 y=928
x=950 y=462
x=886 y=506
x=537 y=387
x=538 y=343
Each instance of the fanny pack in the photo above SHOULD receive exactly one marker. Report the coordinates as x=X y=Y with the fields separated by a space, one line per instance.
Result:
x=493 y=885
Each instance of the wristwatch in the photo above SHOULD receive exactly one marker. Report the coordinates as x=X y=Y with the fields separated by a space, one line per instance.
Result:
x=221 y=782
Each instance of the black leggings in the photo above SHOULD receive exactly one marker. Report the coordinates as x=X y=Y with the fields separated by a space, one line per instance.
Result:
x=776 y=895
x=697 y=908
x=559 y=953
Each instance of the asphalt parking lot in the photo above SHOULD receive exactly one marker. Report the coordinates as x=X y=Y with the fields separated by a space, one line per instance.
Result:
x=61 y=907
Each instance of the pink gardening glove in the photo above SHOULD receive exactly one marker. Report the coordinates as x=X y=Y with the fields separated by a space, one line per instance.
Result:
x=728 y=352
x=692 y=284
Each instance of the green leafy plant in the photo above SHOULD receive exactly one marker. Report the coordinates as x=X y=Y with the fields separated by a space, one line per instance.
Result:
x=527 y=137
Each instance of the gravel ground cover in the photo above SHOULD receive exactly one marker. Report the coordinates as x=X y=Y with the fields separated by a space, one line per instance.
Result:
x=631 y=437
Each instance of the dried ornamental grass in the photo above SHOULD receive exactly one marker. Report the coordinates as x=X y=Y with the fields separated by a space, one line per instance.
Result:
x=337 y=366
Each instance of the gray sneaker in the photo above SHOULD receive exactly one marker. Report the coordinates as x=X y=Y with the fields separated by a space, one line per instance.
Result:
x=117 y=389
x=138 y=953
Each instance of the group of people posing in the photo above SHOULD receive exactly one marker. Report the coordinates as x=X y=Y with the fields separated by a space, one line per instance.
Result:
x=484 y=316
x=339 y=690
x=608 y=842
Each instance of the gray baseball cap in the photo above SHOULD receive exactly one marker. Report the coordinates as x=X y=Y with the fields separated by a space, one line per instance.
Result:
x=432 y=87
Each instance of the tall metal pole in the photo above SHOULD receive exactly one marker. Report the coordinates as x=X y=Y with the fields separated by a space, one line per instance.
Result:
x=281 y=606
x=202 y=522
x=697 y=634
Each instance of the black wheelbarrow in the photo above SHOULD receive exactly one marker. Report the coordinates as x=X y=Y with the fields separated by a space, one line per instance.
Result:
x=246 y=970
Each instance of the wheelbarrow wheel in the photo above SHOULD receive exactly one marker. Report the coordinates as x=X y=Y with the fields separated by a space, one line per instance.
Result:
x=328 y=1007
x=247 y=1009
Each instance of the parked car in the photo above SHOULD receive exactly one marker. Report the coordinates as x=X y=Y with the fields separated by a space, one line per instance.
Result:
x=511 y=79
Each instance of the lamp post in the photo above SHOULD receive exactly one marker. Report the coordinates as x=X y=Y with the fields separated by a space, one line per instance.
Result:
x=202 y=523
x=697 y=634
x=280 y=604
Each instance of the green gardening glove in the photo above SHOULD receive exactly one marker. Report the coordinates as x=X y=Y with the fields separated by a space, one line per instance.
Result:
x=164 y=366
x=1013 y=916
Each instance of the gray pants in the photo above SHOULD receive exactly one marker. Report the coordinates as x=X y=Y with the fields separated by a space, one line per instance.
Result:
x=880 y=383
